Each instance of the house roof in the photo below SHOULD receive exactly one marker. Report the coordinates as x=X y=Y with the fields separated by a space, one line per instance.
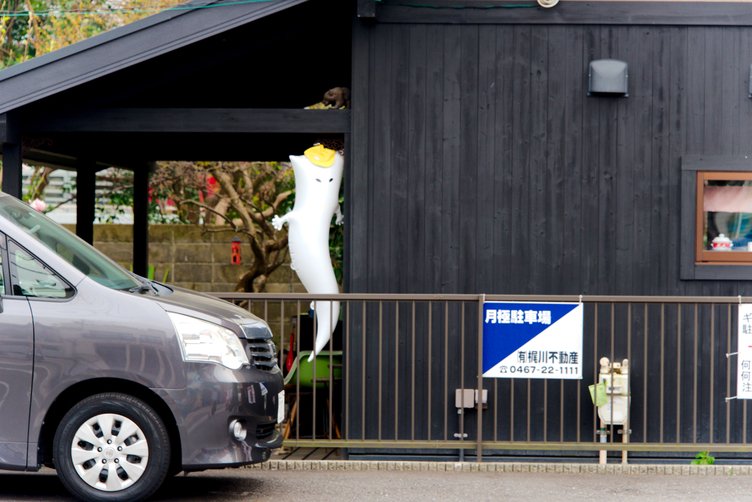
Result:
x=126 y=46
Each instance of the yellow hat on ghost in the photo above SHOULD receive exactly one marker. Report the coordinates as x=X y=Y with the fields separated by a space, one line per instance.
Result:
x=320 y=156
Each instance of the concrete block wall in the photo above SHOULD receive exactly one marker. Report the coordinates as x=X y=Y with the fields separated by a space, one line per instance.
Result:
x=189 y=258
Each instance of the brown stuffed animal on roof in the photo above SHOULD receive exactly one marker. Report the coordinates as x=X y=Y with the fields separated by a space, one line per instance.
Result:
x=337 y=97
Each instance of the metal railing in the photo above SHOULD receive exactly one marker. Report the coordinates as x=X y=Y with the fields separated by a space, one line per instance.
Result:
x=403 y=357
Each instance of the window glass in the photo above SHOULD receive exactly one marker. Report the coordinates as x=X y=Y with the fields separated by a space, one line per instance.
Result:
x=72 y=249
x=31 y=278
x=724 y=217
x=728 y=215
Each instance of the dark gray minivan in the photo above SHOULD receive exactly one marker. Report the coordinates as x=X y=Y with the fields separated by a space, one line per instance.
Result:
x=117 y=381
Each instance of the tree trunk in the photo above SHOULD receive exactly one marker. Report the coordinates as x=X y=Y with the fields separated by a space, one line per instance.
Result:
x=245 y=283
x=259 y=283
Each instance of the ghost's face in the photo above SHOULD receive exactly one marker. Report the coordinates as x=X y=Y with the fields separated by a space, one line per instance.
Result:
x=319 y=183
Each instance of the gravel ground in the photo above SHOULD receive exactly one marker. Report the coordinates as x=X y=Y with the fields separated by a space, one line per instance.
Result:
x=251 y=485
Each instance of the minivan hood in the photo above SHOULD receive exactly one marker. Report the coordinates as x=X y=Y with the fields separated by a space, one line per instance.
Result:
x=190 y=303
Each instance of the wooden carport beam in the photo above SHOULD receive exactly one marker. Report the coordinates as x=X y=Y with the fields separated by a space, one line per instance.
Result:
x=37 y=157
x=191 y=120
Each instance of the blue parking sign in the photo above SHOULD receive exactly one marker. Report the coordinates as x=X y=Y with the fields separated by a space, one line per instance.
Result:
x=532 y=340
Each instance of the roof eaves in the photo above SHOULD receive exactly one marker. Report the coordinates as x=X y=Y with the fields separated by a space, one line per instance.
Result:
x=258 y=10
x=100 y=39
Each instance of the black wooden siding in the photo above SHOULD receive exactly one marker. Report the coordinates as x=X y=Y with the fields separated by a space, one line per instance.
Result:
x=679 y=375
x=479 y=165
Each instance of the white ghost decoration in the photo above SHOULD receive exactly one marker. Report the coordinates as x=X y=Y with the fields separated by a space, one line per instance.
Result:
x=318 y=174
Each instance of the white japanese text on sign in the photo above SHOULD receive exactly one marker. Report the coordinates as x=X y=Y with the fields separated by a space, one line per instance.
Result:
x=532 y=340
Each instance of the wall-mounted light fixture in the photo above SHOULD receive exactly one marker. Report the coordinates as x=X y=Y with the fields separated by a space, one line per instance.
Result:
x=608 y=77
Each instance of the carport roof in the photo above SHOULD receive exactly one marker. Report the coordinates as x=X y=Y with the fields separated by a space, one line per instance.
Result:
x=126 y=46
x=213 y=80
x=209 y=80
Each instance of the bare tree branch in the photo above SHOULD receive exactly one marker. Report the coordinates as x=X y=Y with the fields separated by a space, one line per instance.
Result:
x=72 y=198
x=210 y=209
x=275 y=206
x=226 y=183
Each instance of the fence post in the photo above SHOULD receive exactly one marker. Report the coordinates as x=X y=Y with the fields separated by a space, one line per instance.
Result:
x=481 y=301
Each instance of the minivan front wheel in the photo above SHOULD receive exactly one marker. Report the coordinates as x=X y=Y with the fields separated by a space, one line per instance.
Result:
x=112 y=447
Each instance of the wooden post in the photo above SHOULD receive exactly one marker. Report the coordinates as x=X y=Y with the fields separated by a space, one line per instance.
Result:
x=12 y=151
x=141 y=219
x=12 y=166
x=85 y=200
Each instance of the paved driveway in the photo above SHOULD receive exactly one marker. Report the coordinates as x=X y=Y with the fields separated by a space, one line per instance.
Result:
x=250 y=485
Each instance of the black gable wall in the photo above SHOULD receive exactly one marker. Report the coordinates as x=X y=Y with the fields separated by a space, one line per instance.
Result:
x=481 y=166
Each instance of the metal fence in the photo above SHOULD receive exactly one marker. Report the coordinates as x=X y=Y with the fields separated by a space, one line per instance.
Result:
x=404 y=356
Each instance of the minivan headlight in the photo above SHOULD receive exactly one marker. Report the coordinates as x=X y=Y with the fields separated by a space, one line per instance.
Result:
x=202 y=341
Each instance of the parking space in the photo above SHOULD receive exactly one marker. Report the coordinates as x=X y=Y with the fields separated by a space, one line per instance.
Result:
x=258 y=485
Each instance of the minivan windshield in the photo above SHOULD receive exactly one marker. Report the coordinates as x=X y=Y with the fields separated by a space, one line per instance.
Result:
x=69 y=247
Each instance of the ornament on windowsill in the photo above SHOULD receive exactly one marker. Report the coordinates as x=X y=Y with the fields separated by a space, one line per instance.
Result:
x=722 y=243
